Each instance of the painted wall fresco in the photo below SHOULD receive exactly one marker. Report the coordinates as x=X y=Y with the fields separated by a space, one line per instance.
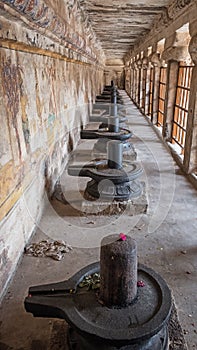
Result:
x=65 y=20
x=43 y=103
x=40 y=96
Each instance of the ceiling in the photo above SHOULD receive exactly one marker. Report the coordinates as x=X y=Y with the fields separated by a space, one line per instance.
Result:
x=120 y=24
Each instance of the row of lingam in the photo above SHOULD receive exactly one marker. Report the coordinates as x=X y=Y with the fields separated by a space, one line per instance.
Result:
x=112 y=168
x=115 y=303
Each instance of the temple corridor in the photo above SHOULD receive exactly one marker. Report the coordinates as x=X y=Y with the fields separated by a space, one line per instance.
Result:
x=60 y=63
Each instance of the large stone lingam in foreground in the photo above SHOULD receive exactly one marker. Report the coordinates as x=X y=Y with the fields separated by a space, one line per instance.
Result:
x=116 y=304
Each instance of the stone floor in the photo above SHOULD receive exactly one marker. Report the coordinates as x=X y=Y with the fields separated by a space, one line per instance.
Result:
x=166 y=236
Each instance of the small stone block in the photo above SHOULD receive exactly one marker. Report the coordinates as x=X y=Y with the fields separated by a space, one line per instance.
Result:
x=132 y=207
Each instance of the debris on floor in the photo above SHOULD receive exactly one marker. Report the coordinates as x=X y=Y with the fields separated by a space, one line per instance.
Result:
x=52 y=249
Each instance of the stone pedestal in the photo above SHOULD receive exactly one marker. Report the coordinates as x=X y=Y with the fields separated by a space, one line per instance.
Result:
x=131 y=207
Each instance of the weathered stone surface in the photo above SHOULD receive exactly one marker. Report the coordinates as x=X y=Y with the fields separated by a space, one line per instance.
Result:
x=176 y=6
x=175 y=15
x=176 y=46
x=193 y=48
x=124 y=22
x=155 y=59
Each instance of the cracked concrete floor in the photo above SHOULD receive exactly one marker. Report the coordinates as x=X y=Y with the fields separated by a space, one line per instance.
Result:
x=166 y=236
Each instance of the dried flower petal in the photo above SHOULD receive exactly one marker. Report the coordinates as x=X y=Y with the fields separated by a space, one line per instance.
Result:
x=122 y=236
x=140 y=284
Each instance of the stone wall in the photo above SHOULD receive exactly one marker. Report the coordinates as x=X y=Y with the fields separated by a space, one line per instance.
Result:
x=49 y=77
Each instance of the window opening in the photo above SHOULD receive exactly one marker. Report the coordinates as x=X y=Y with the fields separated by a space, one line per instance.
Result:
x=181 y=105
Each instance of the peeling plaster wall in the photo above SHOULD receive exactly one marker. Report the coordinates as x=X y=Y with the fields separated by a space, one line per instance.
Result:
x=46 y=91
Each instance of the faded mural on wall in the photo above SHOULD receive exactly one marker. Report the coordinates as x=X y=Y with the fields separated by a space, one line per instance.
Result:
x=43 y=103
x=40 y=103
x=68 y=26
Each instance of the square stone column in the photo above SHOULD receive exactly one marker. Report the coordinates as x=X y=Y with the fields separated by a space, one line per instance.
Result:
x=155 y=60
x=190 y=157
x=128 y=80
x=132 y=80
x=175 y=51
x=171 y=85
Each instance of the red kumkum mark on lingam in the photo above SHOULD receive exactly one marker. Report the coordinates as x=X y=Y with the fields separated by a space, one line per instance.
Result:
x=122 y=236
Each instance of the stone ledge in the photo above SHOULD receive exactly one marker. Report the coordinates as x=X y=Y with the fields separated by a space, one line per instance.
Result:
x=90 y=206
x=132 y=207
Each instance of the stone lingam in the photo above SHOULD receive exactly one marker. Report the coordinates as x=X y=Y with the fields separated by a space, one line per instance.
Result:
x=102 y=118
x=109 y=96
x=112 y=131
x=112 y=178
x=114 y=304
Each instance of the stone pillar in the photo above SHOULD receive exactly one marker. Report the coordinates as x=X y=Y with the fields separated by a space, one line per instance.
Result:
x=147 y=88
x=155 y=60
x=135 y=85
x=107 y=77
x=128 y=80
x=144 y=85
x=172 y=75
x=139 y=82
x=190 y=155
x=132 y=80
x=120 y=79
x=175 y=51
